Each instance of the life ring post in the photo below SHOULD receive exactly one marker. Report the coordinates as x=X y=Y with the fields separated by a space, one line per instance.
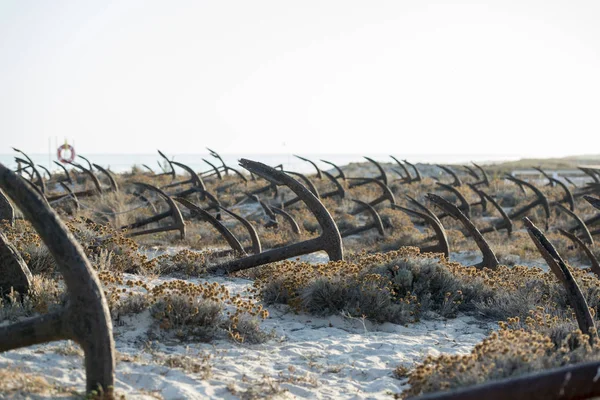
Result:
x=65 y=153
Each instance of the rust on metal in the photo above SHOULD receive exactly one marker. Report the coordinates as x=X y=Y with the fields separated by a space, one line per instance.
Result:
x=39 y=179
x=472 y=172
x=14 y=273
x=594 y=201
x=288 y=217
x=330 y=240
x=506 y=221
x=339 y=189
x=541 y=199
x=573 y=382
x=66 y=171
x=456 y=181
x=194 y=179
x=587 y=236
x=214 y=168
x=172 y=172
x=7 y=212
x=485 y=180
x=464 y=206
x=89 y=173
x=489 y=258
x=47 y=171
x=382 y=175
x=595 y=266
x=202 y=215
x=256 y=246
x=217 y=156
x=311 y=186
x=559 y=268
x=407 y=178
x=482 y=199
x=386 y=193
x=319 y=175
x=85 y=318
x=568 y=197
x=375 y=223
x=546 y=175
x=417 y=177
x=86 y=160
x=111 y=180
x=431 y=219
x=174 y=212
x=340 y=172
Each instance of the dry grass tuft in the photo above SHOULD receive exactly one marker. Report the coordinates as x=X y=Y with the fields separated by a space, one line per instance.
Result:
x=187 y=311
x=44 y=295
x=399 y=287
x=17 y=384
x=516 y=349
x=403 y=286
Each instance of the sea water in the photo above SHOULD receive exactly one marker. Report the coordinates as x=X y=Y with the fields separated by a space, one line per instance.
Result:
x=124 y=162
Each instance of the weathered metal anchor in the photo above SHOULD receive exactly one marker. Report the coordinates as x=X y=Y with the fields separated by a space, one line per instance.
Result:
x=203 y=215
x=174 y=212
x=541 y=200
x=489 y=258
x=7 y=212
x=340 y=173
x=330 y=240
x=417 y=177
x=405 y=179
x=375 y=223
x=386 y=193
x=506 y=222
x=457 y=181
x=464 y=206
x=86 y=318
x=172 y=172
x=319 y=175
x=339 y=189
x=432 y=220
x=311 y=186
x=14 y=273
x=381 y=177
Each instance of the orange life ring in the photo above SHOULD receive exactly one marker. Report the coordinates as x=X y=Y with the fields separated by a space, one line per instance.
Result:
x=65 y=158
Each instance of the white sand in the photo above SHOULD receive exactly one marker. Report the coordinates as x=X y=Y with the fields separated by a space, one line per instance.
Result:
x=310 y=357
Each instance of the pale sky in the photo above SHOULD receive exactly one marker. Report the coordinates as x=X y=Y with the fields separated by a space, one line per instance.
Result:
x=440 y=77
